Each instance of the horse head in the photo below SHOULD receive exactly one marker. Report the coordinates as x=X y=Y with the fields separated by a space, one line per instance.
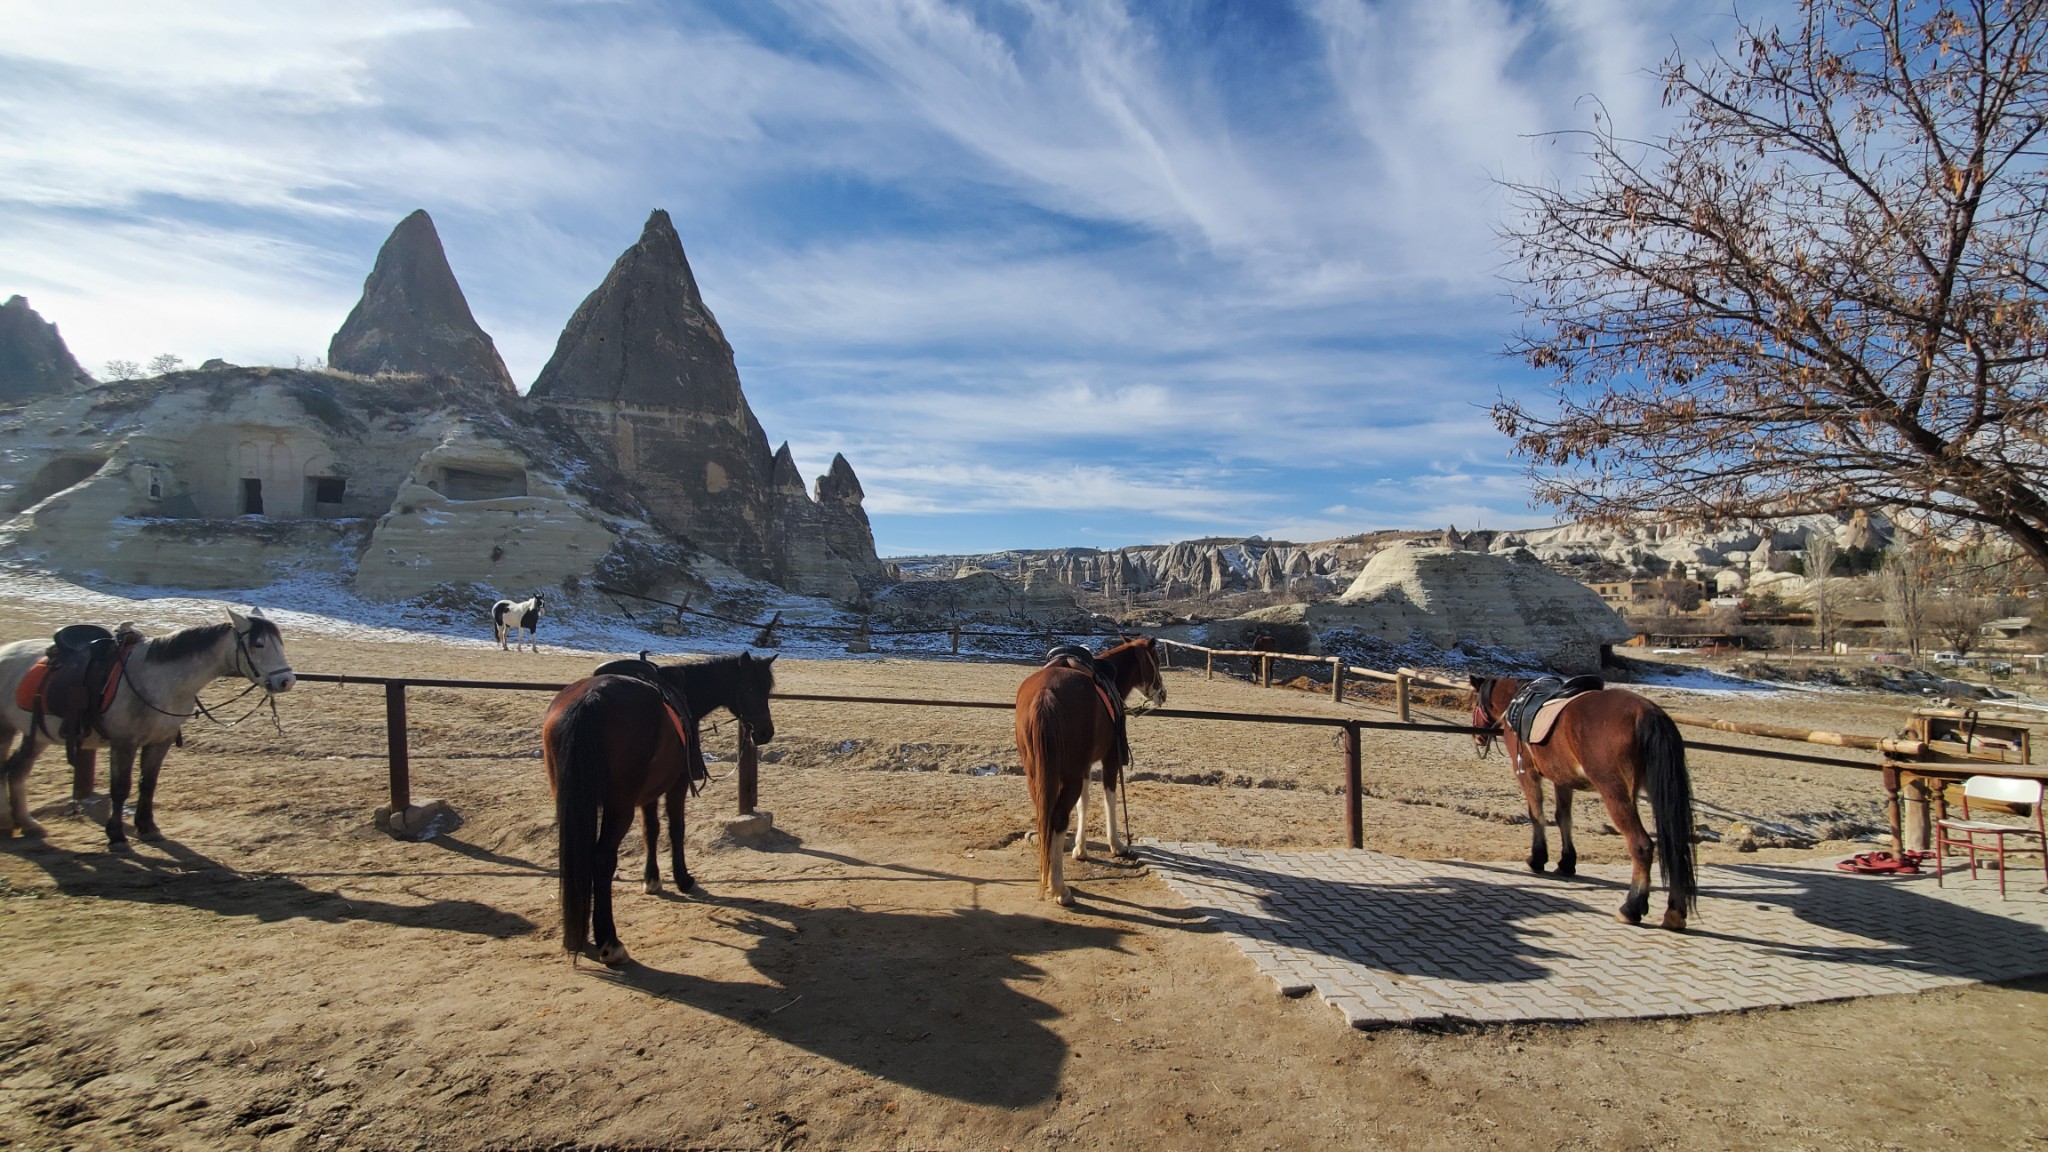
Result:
x=755 y=684
x=1146 y=677
x=1482 y=715
x=259 y=651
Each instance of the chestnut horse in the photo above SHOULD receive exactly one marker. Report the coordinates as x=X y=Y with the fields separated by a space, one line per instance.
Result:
x=1065 y=724
x=1619 y=744
x=612 y=746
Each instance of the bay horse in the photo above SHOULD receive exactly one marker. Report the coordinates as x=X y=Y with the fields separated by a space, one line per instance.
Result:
x=1067 y=722
x=612 y=746
x=1619 y=744
x=156 y=692
x=509 y=616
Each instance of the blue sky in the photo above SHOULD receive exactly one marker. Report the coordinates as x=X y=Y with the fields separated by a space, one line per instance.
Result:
x=1048 y=272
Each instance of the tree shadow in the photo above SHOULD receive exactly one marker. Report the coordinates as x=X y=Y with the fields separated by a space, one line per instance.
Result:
x=929 y=1000
x=1477 y=929
x=1412 y=933
x=196 y=881
x=1915 y=929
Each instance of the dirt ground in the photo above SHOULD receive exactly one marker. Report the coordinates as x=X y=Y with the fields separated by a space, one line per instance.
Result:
x=279 y=974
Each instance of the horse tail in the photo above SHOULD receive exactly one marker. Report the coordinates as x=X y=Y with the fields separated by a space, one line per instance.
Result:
x=1043 y=725
x=576 y=744
x=1663 y=753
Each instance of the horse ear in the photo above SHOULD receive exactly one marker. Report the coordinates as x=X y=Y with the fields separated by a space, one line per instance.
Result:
x=240 y=621
x=771 y=659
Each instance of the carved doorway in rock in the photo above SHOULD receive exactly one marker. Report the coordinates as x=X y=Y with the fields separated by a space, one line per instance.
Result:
x=252 y=496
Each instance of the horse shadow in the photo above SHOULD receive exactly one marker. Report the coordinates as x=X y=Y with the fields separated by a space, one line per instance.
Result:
x=184 y=877
x=931 y=1000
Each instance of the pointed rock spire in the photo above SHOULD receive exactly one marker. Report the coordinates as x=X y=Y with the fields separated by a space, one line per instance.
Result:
x=34 y=362
x=413 y=318
x=840 y=485
x=644 y=337
x=783 y=474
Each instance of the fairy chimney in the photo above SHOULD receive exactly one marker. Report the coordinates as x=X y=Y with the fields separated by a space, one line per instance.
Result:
x=413 y=318
x=34 y=362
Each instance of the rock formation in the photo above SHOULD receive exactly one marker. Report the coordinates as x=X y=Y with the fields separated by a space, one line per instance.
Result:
x=33 y=359
x=644 y=373
x=412 y=317
x=1448 y=597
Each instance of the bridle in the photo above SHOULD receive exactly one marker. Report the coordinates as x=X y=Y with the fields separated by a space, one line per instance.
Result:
x=1482 y=717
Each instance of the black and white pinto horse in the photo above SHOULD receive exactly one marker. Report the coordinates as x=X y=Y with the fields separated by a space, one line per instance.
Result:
x=508 y=617
x=158 y=691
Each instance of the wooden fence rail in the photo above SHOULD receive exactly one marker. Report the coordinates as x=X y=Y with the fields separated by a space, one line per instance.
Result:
x=400 y=758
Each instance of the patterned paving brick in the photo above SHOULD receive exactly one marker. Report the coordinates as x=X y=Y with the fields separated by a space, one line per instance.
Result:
x=1389 y=941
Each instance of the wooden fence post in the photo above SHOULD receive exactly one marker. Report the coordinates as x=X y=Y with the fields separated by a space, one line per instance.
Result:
x=1208 y=665
x=1265 y=670
x=1337 y=679
x=1354 y=789
x=394 y=735
x=956 y=637
x=1401 y=696
x=750 y=773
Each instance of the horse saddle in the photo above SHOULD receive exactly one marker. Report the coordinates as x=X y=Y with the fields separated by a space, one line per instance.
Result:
x=1080 y=659
x=643 y=669
x=1535 y=709
x=76 y=681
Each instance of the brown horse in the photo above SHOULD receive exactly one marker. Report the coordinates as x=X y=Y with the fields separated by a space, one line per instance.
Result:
x=1619 y=744
x=613 y=746
x=1066 y=722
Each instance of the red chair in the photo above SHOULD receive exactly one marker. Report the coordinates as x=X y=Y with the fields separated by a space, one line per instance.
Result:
x=1988 y=837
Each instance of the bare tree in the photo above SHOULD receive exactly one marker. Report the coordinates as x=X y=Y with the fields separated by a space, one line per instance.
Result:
x=165 y=362
x=1907 y=580
x=1825 y=289
x=1820 y=565
x=121 y=370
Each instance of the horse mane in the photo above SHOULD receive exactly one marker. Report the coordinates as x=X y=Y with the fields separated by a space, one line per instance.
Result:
x=693 y=674
x=192 y=641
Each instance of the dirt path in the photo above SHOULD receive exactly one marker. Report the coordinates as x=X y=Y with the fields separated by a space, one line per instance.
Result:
x=278 y=974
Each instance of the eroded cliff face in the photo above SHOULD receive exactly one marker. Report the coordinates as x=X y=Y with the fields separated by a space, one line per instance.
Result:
x=236 y=477
x=413 y=318
x=645 y=375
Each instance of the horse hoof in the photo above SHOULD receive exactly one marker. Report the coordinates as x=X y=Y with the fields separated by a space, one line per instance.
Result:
x=120 y=846
x=1536 y=864
x=1567 y=868
x=1064 y=899
x=1126 y=853
x=30 y=830
x=652 y=888
x=686 y=883
x=1674 y=922
x=151 y=833
x=613 y=955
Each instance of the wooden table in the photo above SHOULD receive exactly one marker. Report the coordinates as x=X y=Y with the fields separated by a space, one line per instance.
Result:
x=1898 y=775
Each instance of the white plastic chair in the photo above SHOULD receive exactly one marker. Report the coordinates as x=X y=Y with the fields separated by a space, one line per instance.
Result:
x=1972 y=834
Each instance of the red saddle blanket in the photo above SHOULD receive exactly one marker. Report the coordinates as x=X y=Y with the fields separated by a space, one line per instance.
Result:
x=28 y=695
x=31 y=686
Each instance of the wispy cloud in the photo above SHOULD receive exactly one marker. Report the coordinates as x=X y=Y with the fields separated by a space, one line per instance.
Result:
x=1066 y=269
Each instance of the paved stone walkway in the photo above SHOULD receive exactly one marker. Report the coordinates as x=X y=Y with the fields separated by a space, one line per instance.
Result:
x=1389 y=941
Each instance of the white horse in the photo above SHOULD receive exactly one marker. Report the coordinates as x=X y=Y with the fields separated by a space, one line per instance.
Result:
x=509 y=616
x=158 y=691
